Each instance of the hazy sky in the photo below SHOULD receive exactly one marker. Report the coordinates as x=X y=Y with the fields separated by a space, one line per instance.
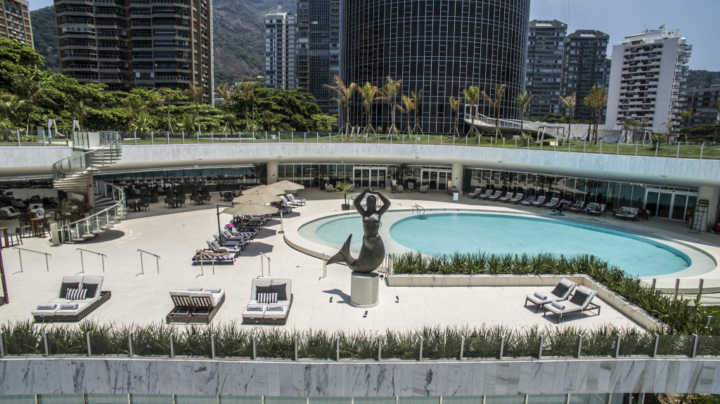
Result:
x=697 y=20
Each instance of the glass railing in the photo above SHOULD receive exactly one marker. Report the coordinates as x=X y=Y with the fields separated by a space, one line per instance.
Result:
x=97 y=222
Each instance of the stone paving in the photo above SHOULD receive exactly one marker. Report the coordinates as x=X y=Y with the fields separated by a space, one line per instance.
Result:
x=320 y=302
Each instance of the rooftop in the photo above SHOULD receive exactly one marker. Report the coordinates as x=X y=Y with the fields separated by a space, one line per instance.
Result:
x=320 y=302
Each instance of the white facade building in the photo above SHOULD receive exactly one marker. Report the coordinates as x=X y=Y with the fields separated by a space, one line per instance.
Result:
x=646 y=78
x=280 y=32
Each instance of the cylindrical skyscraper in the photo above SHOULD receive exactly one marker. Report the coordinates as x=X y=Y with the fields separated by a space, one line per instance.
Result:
x=438 y=47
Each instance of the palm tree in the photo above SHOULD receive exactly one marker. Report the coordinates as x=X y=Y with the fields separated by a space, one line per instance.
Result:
x=390 y=90
x=247 y=89
x=29 y=87
x=195 y=94
x=569 y=102
x=10 y=107
x=455 y=108
x=595 y=101
x=417 y=108
x=344 y=94
x=369 y=94
x=496 y=103
x=408 y=107
x=523 y=100
x=472 y=98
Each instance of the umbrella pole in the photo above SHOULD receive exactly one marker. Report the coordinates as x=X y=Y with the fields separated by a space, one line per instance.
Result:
x=282 y=226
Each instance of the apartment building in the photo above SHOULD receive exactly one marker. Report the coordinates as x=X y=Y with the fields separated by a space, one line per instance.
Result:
x=280 y=31
x=585 y=65
x=544 y=71
x=15 y=21
x=647 y=78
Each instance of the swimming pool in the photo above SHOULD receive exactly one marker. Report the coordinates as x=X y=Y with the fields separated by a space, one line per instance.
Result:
x=446 y=233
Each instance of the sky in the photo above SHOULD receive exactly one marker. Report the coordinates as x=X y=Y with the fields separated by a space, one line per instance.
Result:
x=696 y=19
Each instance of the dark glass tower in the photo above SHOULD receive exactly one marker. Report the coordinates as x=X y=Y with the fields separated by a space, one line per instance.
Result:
x=546 y=45
x=585 y=66
x=318 y=49
x=438 y=47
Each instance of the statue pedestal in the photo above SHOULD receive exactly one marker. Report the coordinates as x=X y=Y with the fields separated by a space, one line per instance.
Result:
x=364 y=289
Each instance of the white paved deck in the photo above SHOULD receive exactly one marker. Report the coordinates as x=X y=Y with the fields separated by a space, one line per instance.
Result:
x=143 y=299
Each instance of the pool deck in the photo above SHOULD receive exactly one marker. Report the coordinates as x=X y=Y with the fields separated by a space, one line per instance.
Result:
x=320 y=302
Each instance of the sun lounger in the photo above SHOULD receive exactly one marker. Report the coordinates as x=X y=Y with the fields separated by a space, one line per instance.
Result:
x=195 y=305
x=298 y=201
x=580 y=301
x=270 y=301
x=210 y=257
x=287 y=202
x=528 y=201
x=475 y=193
x=507 y=197
x=78 y=297
x=216 y=247
x=560 y=292
x=595 y=208
x=539 y=201
x=517 y=198
x=554 y=202
x=488 y=192
x=564 y=204
x=495 y=196
x=627 y=213
x=578 y=206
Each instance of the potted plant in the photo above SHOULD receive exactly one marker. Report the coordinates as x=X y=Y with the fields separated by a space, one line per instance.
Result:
x=344 y=188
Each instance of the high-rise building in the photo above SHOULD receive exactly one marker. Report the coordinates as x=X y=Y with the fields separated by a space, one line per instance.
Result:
x=702 y=101
x=647 y=78
x=138 y=43
x=585 y=65
x=318 y=49
x=546 y=44
x=437 y=48
x=280 y=29
x=15 y=21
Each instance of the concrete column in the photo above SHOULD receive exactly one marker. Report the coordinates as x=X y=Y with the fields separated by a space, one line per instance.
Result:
x=712 y=194
x=457 y=176
x=272 y=171
x=91 y=192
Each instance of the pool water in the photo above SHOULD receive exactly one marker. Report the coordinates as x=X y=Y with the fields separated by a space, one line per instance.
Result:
x=447 y=233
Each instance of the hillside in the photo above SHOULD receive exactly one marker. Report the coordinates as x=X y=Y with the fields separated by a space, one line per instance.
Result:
x=238 y=36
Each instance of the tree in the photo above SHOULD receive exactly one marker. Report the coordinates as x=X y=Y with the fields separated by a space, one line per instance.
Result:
x=369 y=93
x=523 y=100
x=169 y=96
x=344 y=188
x=417 y=108
x=630 y=125
x=247 y=90
x=687 y=116
x=472 y=98
x=390 y=90
x=569 y=102
x=496 y=103
x=343 y=95
x=408 y=107
x=455 y=109
x=595 y=101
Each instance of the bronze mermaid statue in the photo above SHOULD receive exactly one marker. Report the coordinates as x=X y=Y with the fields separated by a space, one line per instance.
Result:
x=372 y=252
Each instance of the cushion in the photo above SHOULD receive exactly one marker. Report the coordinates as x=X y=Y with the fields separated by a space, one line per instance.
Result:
x=279 y=289
x=255 y=307
x=91 y=290
x=540 y=295
x=65 y=286
x=560 y=289
x=213 y=290
x=47 y=306
x=558 y=305
x=72 y=306
x=579 y=297
x=275 y=307
x=267 y=297
x=75 y=294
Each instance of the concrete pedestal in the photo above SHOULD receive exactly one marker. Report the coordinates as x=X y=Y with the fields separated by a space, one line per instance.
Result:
x=364 y=289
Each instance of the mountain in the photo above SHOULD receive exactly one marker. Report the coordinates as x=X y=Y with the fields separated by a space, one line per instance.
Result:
x=702 y=78
x=238 y=30
x=44 y=28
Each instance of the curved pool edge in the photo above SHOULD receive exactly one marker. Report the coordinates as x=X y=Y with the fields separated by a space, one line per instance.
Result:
x=697 y=255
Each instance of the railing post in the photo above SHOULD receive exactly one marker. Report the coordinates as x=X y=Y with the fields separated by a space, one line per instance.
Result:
x=701 y=285
x=540 y=347
x=657 y=147
x=677 y=288
x=254 y=347
x=337 y=349
x=636 y=148
x=502 y=347
x=618 y=147
x=462 y=347
x=89 y=347
x=617 y=346
x=696 y=340
x=172 y=345
x=20 y=259
x=379 y=352
x=45 y=343
x=652 y=286
x=295 y=348
x=82 y=262
x=131 y=351
x=702 y=148
x=655 y=347
x=578 y=353
x=2 y=345
x=584 y=146
x=212 y=346
x=677 y=154
x=420 y=353
x=601 y=147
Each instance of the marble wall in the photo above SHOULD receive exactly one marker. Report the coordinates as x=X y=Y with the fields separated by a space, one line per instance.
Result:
x=382 y=379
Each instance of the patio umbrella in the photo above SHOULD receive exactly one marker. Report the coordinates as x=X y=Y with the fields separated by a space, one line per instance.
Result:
x=256 y=208
x=281 y=187
x=260 y=193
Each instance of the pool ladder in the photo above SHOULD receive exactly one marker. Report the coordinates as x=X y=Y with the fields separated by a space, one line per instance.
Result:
x=418 y=210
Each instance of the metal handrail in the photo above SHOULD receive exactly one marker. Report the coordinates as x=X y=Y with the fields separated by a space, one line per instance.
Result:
x=96 y=221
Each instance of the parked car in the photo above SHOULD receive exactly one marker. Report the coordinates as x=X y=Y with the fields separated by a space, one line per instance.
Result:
x=9 y=212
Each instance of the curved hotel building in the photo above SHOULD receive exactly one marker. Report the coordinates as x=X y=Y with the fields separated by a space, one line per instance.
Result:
x=435 y=47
